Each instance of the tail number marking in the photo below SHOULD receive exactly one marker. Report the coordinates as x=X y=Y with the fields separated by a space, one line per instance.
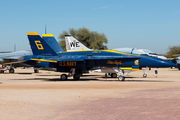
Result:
x=39 y=45
x=74 y=44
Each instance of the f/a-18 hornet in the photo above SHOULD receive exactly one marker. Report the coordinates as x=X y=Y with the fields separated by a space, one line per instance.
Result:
x=48 y=53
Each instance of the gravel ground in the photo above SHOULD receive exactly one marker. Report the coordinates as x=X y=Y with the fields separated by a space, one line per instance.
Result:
x=25 y=95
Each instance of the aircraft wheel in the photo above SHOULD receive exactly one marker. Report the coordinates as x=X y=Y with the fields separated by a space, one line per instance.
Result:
x=11 y=70
x=178 y=68
x=63 y=77
x=113 y=75
x=121 y=78
x=76 y=76
x=144 y=75
x=36 y=71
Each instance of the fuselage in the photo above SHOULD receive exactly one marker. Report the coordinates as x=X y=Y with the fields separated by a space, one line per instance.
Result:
x=96 y=58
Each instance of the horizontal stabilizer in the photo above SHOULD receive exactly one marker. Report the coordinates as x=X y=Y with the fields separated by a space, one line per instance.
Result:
x=9 y=63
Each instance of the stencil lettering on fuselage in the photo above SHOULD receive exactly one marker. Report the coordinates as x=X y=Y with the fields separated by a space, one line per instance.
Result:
x=67 y=63
x=114 y=62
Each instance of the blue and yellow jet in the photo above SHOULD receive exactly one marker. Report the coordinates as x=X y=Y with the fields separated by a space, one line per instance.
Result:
x=48 y=53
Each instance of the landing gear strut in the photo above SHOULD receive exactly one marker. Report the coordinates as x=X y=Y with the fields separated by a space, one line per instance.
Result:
x=121 y=75
x=144 y=75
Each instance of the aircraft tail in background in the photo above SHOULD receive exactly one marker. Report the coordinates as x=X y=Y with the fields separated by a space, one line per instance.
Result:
x=73 y=44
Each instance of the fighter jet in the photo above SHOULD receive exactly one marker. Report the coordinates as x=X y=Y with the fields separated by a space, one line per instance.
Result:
x=6 y=58
x=73 y=44
x=45 y=55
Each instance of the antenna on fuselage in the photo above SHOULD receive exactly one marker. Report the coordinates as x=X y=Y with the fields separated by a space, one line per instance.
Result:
x=45 y=29
x=14 y=47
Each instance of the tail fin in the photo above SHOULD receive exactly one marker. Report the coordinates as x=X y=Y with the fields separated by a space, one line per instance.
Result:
x=73 y=44
x=51 y=41
x=39 y=46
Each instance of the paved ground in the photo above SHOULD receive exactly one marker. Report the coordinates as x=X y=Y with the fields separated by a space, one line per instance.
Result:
x=42 y=96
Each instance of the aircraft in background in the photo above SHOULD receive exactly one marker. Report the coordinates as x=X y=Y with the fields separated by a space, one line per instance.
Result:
x=47 y=53
x=141 y=52
x=73 y=44
x=8 y=57
x=176 y=60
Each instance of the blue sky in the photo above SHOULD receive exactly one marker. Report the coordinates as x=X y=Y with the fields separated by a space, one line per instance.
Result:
x=150 y=24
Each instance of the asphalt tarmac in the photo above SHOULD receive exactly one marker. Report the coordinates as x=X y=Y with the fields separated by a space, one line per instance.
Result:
x=25 y=95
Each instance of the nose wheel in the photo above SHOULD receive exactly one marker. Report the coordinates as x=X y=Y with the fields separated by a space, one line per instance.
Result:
x=144 y=75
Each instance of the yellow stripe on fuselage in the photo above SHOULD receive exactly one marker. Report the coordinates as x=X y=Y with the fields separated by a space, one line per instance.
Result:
x=97 y=51
x=126 y=68
x=129 y=68
x=43 y=60
x=47 y=35
x=32 y=33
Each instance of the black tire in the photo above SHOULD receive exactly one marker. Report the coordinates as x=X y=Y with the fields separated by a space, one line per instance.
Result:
x=63 y=77
x=113 y=75
x=178 y=68
x=36 y=71
x=144 y=75
x=121 y=78
x=11 y=70
x=76 y=76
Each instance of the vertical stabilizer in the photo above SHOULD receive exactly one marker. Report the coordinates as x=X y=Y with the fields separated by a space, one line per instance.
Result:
x=51 y=41
x=39 y=46
x=73 y=44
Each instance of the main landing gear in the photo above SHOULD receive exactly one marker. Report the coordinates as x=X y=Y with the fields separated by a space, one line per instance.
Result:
x=74 y=72
x=121 y=74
